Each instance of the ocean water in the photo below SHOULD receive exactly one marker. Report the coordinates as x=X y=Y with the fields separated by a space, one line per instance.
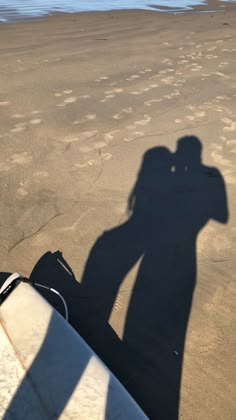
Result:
x=13 y=10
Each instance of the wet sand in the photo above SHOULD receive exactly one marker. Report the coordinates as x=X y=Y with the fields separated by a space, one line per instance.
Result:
x=82 y=98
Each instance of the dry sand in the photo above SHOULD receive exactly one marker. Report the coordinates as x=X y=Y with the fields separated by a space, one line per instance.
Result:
x=82 y=98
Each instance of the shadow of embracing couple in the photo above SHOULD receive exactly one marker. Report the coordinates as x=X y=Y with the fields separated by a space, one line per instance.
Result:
x=174 y=197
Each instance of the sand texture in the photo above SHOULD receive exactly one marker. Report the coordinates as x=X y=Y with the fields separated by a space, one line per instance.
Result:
x=118 y=148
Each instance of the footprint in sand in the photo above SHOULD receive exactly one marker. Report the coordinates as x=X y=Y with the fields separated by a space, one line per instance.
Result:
x=70 y=100
x=223 y=138
x=136 y=92
x=64 y=92
x=228 y=50
x=122 y=113
x=79 y=165
x=167 y=61
x=110 y=135
x=136 y=76
x=116 y=90
x=92 y=162
x=223 y=64
x=81 y=136
x=198 y=116
x=231 y=142
x=213 y=48
x=17 y=116
x=5 y=103
x=155 y=76
x=16 y=159
x=21 y=192
x=168 y=80
x=88 y=117
x=18 y=129
x=196 y=68
x=116 y=82
x=99 y=145
x=211 y=56
x=151 y=101
x=171 y=95
x=35 y=121
x=40 y=174
x=144 y=89
x=205 y=75
x=22 y=125
x=143 y=122
x=183 y=61
x=91 y=116
x=231 y=125
x=102 y=78
x=179 y=82
x=220 y=74
x=134 y=136
x=107 y=98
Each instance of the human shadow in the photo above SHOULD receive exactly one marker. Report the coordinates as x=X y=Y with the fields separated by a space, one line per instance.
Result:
x=173 y=199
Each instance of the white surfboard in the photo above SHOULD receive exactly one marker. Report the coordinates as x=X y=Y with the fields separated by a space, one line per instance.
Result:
x=47 y=371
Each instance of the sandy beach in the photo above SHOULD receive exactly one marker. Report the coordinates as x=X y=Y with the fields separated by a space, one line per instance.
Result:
x=92 y=108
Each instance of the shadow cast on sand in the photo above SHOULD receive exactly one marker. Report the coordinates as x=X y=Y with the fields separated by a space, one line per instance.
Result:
x=174 y=197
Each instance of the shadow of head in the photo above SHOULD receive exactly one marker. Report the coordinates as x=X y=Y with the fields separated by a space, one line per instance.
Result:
x=188 y=153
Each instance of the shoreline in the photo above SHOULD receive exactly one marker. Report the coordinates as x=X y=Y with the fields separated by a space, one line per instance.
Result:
x=128 y=13
x=213 y=7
